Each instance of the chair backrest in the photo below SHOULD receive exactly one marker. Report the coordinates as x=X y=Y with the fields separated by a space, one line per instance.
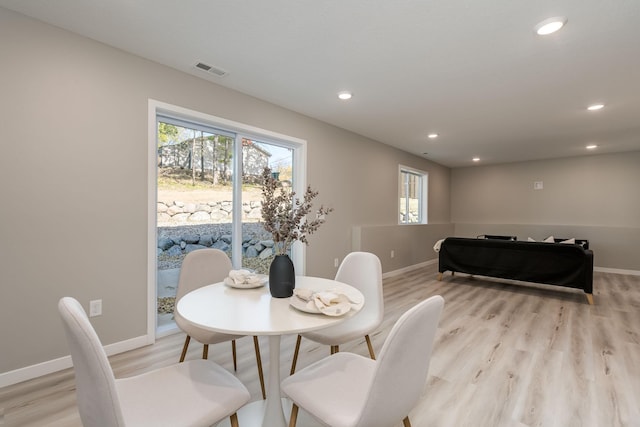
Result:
x=363 y=271
x=96 y=392
x=200 y=268
x=402 y=365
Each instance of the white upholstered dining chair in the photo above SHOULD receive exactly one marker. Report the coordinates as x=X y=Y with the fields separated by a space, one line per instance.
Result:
x=363 y=271
x=349 y=390
x=200 y=268
x=195 y=393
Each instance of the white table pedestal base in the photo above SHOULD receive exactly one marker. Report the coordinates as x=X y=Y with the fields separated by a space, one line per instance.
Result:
x=274 y=411
x=252 y=415
x=274 y=415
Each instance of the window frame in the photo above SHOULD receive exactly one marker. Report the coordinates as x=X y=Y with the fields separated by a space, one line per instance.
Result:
x=423 y=181
x=240 y=130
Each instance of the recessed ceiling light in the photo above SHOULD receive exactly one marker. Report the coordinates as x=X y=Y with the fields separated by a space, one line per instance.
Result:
x=550 y=25
x=476 y=159
x=432 y=135
x=592 y=147
x=345 y=95
x=595 y=107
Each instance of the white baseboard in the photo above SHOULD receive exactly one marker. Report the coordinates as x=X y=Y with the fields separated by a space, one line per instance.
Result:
x=409 y=268
x=617 y=271
x=55 y=365
x=435 y=260
x=48 y=367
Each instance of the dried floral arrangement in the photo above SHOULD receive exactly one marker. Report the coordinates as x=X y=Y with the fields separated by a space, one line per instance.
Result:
x=285 y=216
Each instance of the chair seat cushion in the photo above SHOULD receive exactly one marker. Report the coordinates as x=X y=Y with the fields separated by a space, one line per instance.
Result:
x=330 y=388
x=351 y=329
x=187 y=394
x=337 y=336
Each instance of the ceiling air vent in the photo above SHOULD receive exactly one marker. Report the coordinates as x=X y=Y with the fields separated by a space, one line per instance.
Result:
x=211 y=69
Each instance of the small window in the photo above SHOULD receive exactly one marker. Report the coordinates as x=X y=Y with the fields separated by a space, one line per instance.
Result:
x=412 y=196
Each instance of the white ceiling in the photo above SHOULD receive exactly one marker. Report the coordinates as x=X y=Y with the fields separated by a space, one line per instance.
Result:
x=472 y=71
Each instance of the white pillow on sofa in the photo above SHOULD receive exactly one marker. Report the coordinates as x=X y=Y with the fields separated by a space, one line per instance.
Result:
x=571 y=241
x=529 y=239
x=549 y=239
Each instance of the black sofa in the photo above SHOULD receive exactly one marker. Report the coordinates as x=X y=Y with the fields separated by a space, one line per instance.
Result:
x=562 y=264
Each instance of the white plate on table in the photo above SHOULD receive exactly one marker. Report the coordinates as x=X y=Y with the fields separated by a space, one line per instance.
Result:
x=264 y=279
x=300 y=304
x=342 y=307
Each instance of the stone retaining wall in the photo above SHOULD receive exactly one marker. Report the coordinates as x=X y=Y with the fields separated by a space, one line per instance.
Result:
x=220 y=212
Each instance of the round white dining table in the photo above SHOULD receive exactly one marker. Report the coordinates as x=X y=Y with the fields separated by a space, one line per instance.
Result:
x=237 y=311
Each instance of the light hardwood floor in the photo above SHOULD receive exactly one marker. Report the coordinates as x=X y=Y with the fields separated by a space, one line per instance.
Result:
x=506 y=354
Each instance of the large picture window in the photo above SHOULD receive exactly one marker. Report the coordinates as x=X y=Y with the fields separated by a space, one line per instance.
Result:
x=205 y=193
x=412 y=196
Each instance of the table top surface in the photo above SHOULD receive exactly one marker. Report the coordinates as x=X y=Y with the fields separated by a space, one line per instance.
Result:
x=221 y=308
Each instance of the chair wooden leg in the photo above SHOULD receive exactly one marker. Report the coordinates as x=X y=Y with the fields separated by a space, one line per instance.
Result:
x=295 y=355
x=234 y=420
x=406 y=422
x=371 y=353
x=233 y=353
x=439 y=276
x=335 y=349
x=205 y=351
x=256 y=345
x=184 y=348
x=294 y=415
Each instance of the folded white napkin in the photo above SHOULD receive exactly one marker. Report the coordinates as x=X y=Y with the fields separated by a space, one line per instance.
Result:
x=242 y=277
x=304 y=294
x=325 y=299
x=331 y=303
x=326 y=302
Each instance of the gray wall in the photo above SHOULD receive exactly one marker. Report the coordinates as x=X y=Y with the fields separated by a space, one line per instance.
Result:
x=592 y=197
x=412 y=243
x=67 y=100
x=68 y=104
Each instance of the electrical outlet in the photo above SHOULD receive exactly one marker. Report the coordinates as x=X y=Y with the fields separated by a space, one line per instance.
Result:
x=393 y=253
x=336 y=262
x=538 y=185
x=95 y=308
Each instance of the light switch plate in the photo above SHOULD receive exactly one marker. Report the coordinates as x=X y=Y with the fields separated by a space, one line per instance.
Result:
x=95 y=308
x=537 y=185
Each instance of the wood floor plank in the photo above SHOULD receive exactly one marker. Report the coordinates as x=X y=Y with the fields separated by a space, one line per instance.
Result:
x=611 y=374
x=507 y=354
